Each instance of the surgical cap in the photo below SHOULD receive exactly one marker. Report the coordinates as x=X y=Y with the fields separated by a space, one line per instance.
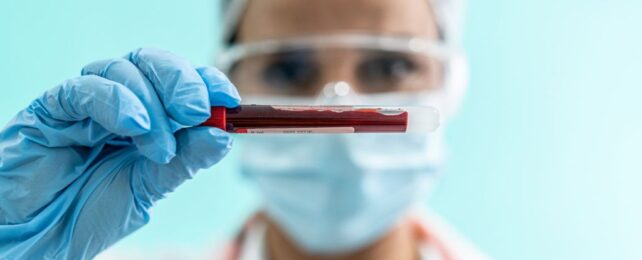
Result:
x=449 y=15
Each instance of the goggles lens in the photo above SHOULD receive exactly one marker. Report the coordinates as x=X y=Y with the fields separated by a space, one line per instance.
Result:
x=303 y=72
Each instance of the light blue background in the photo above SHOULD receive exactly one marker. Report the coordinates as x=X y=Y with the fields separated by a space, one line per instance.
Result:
x=545 y=154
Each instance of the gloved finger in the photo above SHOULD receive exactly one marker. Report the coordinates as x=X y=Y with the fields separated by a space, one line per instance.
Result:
x=220 y=90
x=159 y=143
x=177 y=84
x=198 y=148
x=106 y=102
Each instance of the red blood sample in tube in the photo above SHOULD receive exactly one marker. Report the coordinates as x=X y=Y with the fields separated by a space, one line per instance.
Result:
x=307 y=119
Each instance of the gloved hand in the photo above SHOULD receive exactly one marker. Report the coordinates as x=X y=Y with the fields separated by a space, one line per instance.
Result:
x=82 y=165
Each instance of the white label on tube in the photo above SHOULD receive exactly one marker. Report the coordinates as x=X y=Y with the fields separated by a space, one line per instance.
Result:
x=305 y=130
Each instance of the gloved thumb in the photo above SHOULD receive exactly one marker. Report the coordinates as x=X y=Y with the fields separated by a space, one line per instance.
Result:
x=197 y=148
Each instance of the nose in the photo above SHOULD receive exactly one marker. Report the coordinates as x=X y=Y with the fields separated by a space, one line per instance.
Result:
x=336 y=89
x=336 y=93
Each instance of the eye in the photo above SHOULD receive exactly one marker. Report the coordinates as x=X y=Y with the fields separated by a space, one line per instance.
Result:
x=293 y=71
x=385 y=72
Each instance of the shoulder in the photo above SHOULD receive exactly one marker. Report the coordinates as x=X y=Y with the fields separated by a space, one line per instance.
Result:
x=437 y=231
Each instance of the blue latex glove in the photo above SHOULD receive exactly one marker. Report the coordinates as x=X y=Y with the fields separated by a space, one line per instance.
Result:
x=82 y=165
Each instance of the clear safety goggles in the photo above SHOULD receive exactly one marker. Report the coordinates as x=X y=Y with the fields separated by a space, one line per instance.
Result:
x=336 y=65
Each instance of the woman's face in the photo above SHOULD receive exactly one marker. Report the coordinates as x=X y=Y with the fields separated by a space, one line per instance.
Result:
x=305 y=72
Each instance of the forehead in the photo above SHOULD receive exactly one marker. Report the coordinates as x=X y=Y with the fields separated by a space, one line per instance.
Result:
x=274 y=19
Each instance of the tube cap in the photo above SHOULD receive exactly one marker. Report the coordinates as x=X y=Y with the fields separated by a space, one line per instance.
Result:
x=217 y=118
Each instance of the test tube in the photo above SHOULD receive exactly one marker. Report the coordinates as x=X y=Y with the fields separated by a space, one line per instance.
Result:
x=268 y=119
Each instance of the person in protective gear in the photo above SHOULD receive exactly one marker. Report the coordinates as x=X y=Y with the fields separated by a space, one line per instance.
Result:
x=82 y=165
x=346 y=196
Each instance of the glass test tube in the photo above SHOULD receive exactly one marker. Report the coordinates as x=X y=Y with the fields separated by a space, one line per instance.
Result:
x=263 y=119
